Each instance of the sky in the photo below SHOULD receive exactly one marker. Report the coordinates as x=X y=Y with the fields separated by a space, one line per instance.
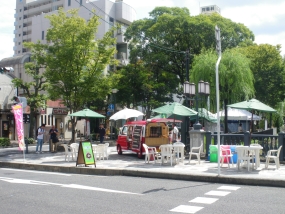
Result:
x=262 y=17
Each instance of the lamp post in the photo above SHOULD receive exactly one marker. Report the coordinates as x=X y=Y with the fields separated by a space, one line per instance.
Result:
x=203 y=92
x=114 y=91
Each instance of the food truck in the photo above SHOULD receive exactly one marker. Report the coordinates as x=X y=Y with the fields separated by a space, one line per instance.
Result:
x=152 y=132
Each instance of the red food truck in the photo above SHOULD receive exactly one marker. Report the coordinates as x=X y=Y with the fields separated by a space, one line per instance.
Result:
x=153 y=132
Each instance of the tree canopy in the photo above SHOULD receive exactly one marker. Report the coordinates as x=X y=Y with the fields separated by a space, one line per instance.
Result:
x=76 y=61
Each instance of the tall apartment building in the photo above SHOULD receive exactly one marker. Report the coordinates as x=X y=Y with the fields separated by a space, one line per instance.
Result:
x=31 y=26
x=210 y=9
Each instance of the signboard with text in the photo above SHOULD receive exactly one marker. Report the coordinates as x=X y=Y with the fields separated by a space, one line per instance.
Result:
x=60 y=111
x=137 y=137
x=85 y=154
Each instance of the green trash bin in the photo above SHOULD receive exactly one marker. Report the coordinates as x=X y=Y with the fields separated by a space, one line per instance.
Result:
x=213 y=153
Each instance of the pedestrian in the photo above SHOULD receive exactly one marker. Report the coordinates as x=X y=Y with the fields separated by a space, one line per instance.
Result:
x=240 y=128
x=53 y=132
x=102 y=133
x=40 y=138
x=175 y=132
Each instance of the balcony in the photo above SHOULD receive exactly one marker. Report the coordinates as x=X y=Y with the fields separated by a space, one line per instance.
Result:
x=125 y=13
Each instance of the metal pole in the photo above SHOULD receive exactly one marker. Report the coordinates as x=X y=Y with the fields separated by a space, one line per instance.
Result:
x=219 y=50
x=218 y=107
x=187 y=120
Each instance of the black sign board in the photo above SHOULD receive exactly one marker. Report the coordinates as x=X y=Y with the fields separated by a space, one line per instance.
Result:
x=137 y=137
x=26 y=118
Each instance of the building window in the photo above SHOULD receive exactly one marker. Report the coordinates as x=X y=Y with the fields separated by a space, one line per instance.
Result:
x=203 y=9
x=19 y=35
x=208 y=9
x=19 y=26
x=20 y=10
x=69 y=2
x=43 y=35
x=19 y=51
x=20 y=18
x=212 y=8
x=19 y=43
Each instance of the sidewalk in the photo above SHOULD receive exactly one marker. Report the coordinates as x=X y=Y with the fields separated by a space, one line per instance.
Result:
x=129 y=165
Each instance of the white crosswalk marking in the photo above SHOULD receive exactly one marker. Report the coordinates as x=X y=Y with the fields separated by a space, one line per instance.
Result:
x=186 y=209
x=218 y=193
x=229 y=188
x=204 y=200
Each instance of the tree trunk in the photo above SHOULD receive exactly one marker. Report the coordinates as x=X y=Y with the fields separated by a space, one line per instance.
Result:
x=32 y=134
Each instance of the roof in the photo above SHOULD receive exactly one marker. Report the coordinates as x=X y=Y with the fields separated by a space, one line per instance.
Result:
x=15 y=60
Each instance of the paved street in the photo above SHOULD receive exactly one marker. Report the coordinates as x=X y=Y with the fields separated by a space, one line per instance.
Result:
x=24 y=191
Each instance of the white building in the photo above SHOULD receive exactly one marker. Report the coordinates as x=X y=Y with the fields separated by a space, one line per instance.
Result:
x=210 y=9
x=31 y=26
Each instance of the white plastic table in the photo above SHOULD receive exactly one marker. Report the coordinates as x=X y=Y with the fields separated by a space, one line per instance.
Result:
x=255 y=150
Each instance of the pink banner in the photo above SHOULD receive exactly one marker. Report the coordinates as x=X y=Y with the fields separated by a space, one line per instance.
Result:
x=18 y=115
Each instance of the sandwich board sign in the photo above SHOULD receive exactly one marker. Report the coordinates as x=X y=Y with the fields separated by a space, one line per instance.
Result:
x=85 y=154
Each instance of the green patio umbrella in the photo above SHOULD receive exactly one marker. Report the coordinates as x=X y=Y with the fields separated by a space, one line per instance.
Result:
x=204 y=113
x=252 y=104
x=87 y=113
x=175 y=108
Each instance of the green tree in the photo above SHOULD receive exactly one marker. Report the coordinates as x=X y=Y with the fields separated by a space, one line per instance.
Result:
x=144 y=85
x=34 y=90
x=76 y=60
x=268 y=69
x=170 y=32
x=235 y=77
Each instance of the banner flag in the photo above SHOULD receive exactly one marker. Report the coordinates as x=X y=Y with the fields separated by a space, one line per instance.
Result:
x=18 y=115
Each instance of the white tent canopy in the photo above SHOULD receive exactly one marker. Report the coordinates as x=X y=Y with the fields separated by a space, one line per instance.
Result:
x=238 y=114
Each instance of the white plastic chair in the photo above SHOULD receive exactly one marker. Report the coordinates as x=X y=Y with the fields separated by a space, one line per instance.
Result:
x=100 y=149
x=149 y=152
x=270 y=155
x=167 y=153
x=94 y=148
x=252 y=154
x=243 y=156
x=179 y=150
x=196 y=151
x=74 y=149
x=67 y=153
x=106 y=150
x=226 y=154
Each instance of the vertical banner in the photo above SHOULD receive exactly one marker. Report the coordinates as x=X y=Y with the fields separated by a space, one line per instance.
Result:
x=18 y=115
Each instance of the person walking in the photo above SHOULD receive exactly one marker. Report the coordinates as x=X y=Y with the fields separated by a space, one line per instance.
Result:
x=102 y=133
x=40 y=138
x=53 y=132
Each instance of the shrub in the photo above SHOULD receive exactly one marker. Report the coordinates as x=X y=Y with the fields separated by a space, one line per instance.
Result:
x=5 y=141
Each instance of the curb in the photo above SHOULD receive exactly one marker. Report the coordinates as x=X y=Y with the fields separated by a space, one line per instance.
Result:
x=147 y=174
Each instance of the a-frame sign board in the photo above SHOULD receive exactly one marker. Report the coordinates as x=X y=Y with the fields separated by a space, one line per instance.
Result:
x=85 y=154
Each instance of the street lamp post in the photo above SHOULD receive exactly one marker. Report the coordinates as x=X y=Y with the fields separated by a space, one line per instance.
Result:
x=203 y=92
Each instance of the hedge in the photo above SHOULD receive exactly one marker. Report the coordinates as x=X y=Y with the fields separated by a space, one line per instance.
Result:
x=4 y=141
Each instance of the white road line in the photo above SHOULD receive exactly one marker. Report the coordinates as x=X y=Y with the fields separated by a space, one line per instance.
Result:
x=203 y=200
x=74 y=186
x=186 y=209
x=218 y=193
x=39 y=172
x=229 y=188
x=51 y=173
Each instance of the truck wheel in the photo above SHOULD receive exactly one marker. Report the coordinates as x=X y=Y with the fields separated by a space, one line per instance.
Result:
x=140 y=156
x=119 y=150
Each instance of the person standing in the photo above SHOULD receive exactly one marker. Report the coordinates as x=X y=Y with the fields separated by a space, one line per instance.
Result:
x=53 y=132
x=40 y=138
x=240 y=128
x=175 y=132
x=102 y=133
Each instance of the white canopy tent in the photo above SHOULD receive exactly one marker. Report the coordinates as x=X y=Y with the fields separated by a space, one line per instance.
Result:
x=238 y=114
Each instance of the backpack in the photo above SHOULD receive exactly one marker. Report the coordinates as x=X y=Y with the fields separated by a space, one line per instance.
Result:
x=37 y=131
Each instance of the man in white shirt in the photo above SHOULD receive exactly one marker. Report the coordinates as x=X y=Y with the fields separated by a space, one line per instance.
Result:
x=40 y=138
x=175 y=132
